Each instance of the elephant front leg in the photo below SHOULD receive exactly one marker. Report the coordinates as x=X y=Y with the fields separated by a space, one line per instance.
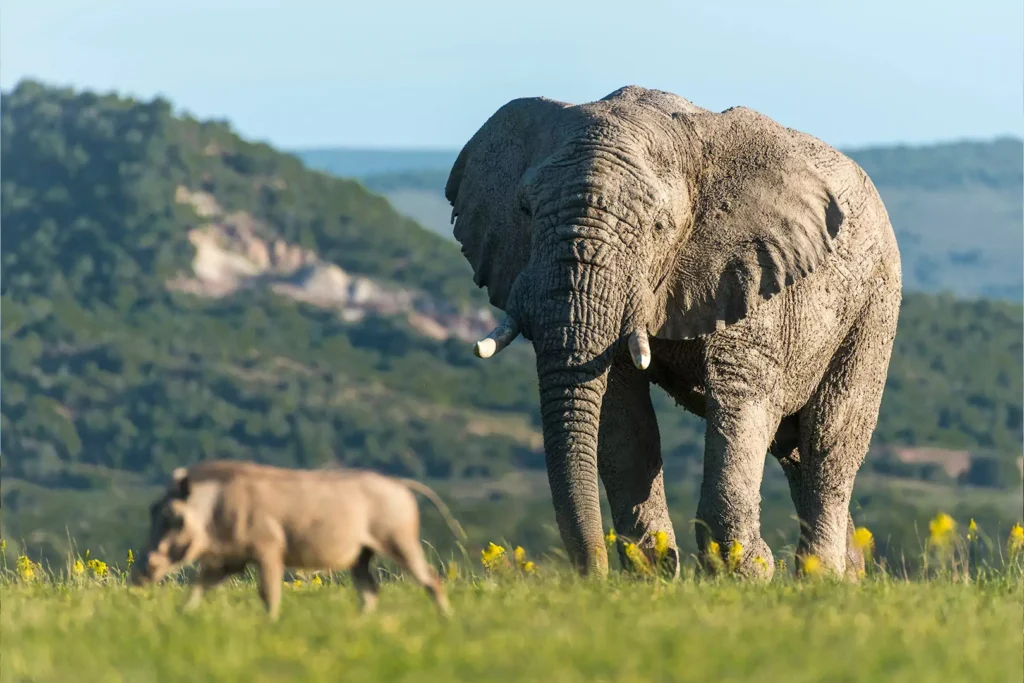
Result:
x=729 y=512
x=629 y=461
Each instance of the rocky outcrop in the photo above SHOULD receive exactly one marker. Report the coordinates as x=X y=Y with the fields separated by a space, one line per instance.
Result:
x=235 y=251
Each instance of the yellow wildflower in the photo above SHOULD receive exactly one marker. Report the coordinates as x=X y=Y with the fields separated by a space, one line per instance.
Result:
x=130 y=560
x=452 y=570
x=1015 y=542
x=492 y=557
x=78 y=568
x=761 y=562
x=941 y=528
x=780 y=566
x=863 y=539
x=714 y=555
x=26 y=568
x=3 y=545
x=97 y=567
x=636 y=558
x=660 y=545
x=520 y=557
x=317 y=581
x=610 y=537
x=812 y=565
x=297 y=583
x=735 y=555
x=972 y=530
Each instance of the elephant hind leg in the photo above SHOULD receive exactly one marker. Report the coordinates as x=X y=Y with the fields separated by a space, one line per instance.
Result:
x=787 y=452
x=835 y=432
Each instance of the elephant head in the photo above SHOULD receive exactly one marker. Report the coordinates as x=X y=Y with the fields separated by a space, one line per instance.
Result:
x=595 y=225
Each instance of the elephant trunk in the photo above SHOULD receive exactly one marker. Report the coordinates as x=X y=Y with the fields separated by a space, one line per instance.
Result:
x=570 y=409
x=578 y=322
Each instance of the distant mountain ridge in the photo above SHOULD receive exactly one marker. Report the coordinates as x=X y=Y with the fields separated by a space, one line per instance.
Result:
x=957 y=207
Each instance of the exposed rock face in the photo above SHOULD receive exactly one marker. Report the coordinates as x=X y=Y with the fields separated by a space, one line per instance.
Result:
x=235 y=251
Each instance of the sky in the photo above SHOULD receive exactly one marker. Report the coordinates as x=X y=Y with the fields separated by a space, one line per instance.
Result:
x=428 y=74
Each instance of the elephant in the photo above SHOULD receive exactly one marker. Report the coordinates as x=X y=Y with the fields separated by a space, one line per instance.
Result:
x=748 y=269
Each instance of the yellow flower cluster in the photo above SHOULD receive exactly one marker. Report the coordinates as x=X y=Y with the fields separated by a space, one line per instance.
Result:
x=812 y=566
x=713 y=553
x=526 y=566
x=942 y=530
x=1015 y=542
x=610 y=538
x=26 y=568
x=98 y=568
x=863 y=539
x=493 y=557
x=660 y=546
x=637 y=559
x=735 y=555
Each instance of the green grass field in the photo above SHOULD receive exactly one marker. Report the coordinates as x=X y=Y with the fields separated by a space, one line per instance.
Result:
x=546 y=626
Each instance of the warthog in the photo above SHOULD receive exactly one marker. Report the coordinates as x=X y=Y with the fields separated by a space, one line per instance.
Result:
x=226 y=514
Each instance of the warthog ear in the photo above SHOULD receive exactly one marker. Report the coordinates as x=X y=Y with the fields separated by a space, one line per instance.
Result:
x=180 y=483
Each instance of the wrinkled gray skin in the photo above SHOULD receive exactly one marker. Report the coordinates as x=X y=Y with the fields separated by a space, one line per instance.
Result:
x=760 y=262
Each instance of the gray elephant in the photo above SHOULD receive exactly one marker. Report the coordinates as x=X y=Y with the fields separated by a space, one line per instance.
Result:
x=748 y=269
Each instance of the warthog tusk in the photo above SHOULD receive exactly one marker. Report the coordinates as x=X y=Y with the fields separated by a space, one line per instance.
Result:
x=640 y=349
x=502 y=335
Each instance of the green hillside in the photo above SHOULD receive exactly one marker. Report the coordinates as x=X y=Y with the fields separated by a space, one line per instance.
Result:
x=957 y=207
x=106 y=365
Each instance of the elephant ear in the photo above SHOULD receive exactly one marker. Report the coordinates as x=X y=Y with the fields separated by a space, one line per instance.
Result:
x=490 y=222
x=764 y=217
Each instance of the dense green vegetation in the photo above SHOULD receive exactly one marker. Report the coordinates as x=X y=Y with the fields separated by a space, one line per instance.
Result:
x=110 y=379
x=101 y=364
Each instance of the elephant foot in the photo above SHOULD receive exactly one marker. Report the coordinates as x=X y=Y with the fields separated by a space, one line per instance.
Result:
x=847 y=563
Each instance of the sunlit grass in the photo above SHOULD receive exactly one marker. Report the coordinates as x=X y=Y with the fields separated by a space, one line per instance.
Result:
x=519 y=617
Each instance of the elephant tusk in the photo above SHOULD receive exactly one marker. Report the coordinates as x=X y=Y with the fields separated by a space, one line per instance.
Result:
x=502 y=335
x=640 y=349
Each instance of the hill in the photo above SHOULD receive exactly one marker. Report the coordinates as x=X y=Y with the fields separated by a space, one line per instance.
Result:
x=957 y=207
x=172 y=292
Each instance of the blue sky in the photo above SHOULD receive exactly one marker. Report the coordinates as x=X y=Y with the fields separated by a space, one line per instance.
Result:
x=428 y=74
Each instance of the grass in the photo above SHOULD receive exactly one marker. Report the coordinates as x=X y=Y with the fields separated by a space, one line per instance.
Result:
x=550 y=628
x=83 y=623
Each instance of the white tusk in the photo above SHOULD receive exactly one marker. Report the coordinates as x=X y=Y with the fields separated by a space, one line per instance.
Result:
x=502 y=335
x=640 y=349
